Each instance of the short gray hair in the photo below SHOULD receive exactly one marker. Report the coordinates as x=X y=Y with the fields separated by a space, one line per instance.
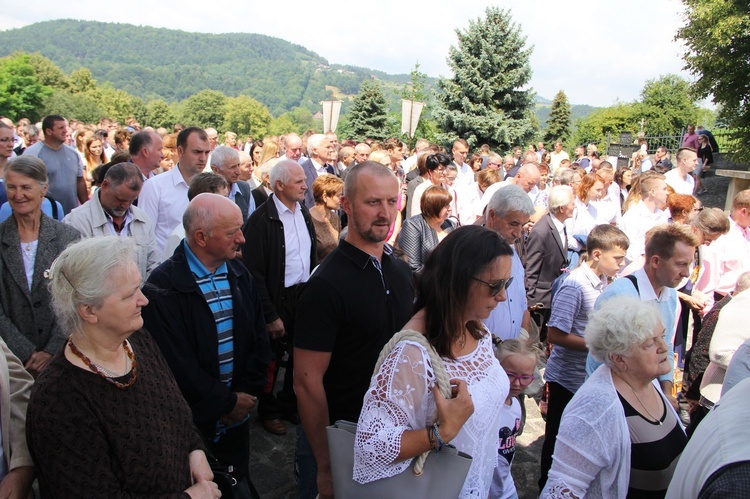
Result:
x=28 y=166
x=743 y=283
x=223 y=154
x=81 y=276
x=559 y=196
x=282 y=172
x=510 y=198
x=618 y=325
x=314 y=141
x=564 y=177
x=124 y=173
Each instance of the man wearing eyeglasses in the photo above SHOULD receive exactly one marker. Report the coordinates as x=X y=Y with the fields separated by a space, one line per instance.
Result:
x=508 y=211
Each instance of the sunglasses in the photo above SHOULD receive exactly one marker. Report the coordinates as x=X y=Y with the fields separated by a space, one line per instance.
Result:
x=495 y=288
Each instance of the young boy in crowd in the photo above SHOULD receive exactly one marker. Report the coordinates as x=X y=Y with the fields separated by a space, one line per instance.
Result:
x=566 y=368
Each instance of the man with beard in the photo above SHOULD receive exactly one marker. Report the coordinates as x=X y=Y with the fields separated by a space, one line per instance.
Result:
x=352 y=305
x=110 y=211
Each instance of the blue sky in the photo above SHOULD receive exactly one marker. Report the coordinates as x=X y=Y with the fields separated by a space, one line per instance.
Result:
x=598 y=52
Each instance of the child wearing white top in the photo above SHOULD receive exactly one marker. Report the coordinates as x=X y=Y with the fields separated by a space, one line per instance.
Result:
x=518 y=358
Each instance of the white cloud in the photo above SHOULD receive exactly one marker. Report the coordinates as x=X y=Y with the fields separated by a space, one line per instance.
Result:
x=597 y=52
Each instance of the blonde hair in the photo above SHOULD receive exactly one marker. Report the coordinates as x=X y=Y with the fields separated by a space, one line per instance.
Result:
x=517 y=346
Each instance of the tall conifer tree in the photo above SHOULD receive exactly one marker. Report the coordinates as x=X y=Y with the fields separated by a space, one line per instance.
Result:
x=558 y=123
x=488 y=99
x=368 y=116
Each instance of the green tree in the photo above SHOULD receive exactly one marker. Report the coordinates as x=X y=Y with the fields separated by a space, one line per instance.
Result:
x=667 y=105
x=302 y=118
x=282 y=125
x=246 y=116
x=158 y=114
x=81 y=80
x=82 y=107
x=558 y=123
x=118 y=104
x=204 y=109
x=608 y=122
x=717 y=40
x=21 y=94
x=487 y=100
x=47 y=72
x=368 y=116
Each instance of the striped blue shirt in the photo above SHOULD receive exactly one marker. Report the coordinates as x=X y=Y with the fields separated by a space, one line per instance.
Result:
x=218 y=295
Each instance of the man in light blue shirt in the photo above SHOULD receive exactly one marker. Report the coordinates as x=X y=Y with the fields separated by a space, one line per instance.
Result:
x=508 y=211
x=670 y=250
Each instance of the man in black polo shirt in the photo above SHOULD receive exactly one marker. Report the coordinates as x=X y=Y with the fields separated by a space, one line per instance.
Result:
x=351 y=306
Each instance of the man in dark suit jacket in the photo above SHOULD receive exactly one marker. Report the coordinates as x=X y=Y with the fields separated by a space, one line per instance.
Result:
x=225 y=161
x=319 y=149
x=546 y=252
x=280 y=259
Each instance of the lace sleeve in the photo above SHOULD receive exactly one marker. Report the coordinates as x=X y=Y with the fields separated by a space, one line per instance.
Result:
x=398 y=399
x=578 y=459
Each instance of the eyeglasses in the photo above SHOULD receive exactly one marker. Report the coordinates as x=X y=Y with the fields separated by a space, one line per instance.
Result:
x=495 y=288
x=6 y=139
x=524 y=380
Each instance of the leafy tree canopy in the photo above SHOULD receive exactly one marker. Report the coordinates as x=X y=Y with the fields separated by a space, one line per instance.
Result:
x=21 y=93
x=717 y=41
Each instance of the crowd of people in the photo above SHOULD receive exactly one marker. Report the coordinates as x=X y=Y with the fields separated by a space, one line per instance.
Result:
x=162 y=291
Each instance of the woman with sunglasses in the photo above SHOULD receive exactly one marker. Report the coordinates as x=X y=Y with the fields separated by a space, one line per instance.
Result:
x=463 y=279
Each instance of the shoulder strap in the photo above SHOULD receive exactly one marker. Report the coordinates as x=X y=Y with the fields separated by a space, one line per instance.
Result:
x=441 y=376
x=633 y=280
x=54 y=206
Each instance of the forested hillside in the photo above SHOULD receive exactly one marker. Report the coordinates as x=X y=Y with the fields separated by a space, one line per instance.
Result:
x=157 y=63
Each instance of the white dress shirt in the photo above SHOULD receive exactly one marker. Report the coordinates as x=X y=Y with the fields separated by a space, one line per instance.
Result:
x=164 y=199
x=635 y=223
x=297 y=244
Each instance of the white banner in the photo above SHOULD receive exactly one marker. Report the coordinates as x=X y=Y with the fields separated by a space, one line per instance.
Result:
x=410 y=112
x=331 y=112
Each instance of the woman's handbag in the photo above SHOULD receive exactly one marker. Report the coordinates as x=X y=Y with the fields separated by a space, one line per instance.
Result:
x=431 y=474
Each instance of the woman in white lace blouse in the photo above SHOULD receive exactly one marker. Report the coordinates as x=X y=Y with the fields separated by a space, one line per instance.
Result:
x=463 y=279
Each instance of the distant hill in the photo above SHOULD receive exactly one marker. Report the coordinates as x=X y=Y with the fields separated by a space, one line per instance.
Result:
x=577 y=111
x=172 y=65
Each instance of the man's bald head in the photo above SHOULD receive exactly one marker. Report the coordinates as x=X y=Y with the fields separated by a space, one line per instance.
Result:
x=528 y=176
x=204 y=211
x=293 y=146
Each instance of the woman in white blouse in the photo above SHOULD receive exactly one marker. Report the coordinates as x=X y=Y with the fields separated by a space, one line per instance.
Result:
x=463 y=280
x=584 y=219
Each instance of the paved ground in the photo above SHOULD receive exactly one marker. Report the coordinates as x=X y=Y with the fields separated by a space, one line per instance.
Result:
x=272 y=457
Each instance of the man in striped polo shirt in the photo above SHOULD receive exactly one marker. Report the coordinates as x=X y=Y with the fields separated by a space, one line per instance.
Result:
x=206 y=315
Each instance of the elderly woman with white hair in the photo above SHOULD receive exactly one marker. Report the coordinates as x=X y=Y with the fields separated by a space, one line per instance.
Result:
x=106 y=417
x=619 y=436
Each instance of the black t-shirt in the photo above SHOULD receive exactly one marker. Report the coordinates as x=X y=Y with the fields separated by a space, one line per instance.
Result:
x=350 y=309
